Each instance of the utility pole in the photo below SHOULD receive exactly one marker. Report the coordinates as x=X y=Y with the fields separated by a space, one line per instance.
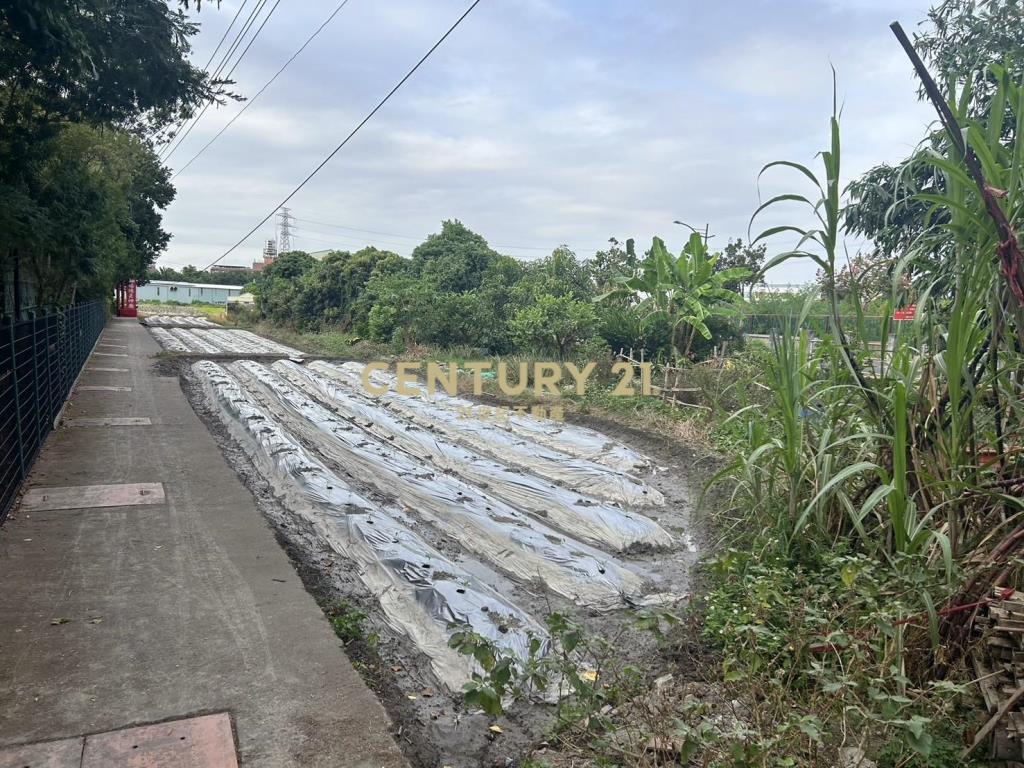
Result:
x=284 y=230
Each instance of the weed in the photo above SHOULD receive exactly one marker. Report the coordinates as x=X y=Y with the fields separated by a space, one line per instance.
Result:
x=347 y=621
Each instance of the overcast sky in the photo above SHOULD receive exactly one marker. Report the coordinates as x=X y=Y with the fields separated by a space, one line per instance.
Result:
x=539 y=122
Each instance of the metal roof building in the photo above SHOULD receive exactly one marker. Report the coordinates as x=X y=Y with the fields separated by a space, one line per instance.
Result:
x=187 y=293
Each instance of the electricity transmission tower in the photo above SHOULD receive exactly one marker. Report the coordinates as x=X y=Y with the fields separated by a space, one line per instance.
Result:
x=284 y=230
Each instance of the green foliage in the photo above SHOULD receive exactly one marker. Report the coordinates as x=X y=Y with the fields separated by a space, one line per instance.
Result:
x=554 y=325
x=736 y=256
x=85 y=87
x=868 y=490
x=825 y=645
x=685 y=291
x=330 y=293
x=191 y=274
x=963 y=39
x=347 y=622
x=574 y=667
x=453 y=260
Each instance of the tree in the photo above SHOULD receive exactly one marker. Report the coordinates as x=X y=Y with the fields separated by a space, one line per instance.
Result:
x=747 y=257
x=84 y=88
x=330 y=291
x=277 y=287
x=686 y=291
x=554 y=325
x=453 y=260
x=964 y=38
x=615 y=262
x=95 y=220
x=560 y=274
x=866 y=278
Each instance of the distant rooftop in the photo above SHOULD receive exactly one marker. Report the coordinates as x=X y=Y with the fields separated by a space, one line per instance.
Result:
x=193 y=285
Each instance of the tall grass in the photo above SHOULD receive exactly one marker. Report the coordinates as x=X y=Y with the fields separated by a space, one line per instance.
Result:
x=908 y=451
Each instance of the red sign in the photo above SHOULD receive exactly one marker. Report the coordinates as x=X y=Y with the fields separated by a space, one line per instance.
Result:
x=127 y=299
x=908 y=312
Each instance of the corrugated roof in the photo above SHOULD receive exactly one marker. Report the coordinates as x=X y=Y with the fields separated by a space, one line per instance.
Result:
x=194 y=285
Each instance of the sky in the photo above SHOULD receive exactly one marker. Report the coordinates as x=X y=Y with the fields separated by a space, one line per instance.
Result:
x=540 y=122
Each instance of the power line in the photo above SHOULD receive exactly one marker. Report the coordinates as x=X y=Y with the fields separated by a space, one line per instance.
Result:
x=220 y=65
x=251 y=41
x=226 y=32
x=223 y=60
x=249 y=103
x=354 y=131
x=227 y=57
x=206 y=68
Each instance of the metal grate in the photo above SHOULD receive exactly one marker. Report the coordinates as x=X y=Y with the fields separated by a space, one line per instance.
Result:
x=39 y=362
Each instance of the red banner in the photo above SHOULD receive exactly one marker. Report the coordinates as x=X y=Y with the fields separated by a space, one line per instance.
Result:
x=908 y=312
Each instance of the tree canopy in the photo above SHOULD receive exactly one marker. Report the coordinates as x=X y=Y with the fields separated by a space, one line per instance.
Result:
x=85 y=89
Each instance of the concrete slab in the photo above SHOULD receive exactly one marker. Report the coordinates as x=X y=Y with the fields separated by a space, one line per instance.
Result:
x=198 y=742
x=108 y=370
x=110 y=421
x=109 y=354
x=92 y=496
x=66 y=753
x=112 y=346
x=101 y=388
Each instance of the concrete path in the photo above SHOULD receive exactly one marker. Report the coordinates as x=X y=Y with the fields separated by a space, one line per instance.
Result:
x=118 y=616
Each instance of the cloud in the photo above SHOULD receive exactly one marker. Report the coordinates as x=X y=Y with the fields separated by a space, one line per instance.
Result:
x=542 y=122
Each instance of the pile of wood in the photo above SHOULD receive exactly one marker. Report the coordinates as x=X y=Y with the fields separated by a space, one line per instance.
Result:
x=999 y=666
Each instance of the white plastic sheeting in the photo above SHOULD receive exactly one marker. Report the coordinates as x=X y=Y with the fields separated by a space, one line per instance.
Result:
x=168 y=340
x=489 y=438
x=422 y=593
x=178 y=321
x=585 y=518
x=504 y=537
x=571 y=439
x=219 y=341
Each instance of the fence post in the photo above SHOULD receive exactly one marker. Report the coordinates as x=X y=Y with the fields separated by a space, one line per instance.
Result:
x=38 y=405
x=17 y=404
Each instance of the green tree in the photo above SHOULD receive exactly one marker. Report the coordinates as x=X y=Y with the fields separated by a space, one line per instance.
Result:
x=686 y=291
x=614 y=262
x=560 y=274
x=555 y=325
x=330 y=291
x=84 y=89
x=960 y=43
x=736 y=255
x=277 y=289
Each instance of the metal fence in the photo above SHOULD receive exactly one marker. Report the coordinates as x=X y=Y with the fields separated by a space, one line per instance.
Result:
x=39 y=362
x=819 y=325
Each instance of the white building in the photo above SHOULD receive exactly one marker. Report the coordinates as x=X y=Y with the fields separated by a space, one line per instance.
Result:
x=187 y=293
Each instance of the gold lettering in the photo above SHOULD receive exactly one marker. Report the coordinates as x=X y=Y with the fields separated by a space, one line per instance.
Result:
x=503 y=382
x=645 y=379
x=373 y=389
x=407 y=375
x=623 y=388
x=478 y=379
x=580 y=377
x=449 y=381
x=546 y=377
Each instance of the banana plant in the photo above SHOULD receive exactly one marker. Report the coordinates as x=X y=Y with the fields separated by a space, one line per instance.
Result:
x=686 y=290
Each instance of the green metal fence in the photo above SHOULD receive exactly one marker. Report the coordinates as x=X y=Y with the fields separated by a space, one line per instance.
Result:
x=39 y=362
x=819 y=325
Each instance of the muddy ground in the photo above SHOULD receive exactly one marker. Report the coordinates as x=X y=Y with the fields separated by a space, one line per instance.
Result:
x=432 y=726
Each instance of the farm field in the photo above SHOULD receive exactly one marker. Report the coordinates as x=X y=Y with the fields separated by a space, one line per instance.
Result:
x=426 y=522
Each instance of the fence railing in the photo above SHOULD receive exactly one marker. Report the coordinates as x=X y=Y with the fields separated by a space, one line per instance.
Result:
x=819 y=325
x=39 y=362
